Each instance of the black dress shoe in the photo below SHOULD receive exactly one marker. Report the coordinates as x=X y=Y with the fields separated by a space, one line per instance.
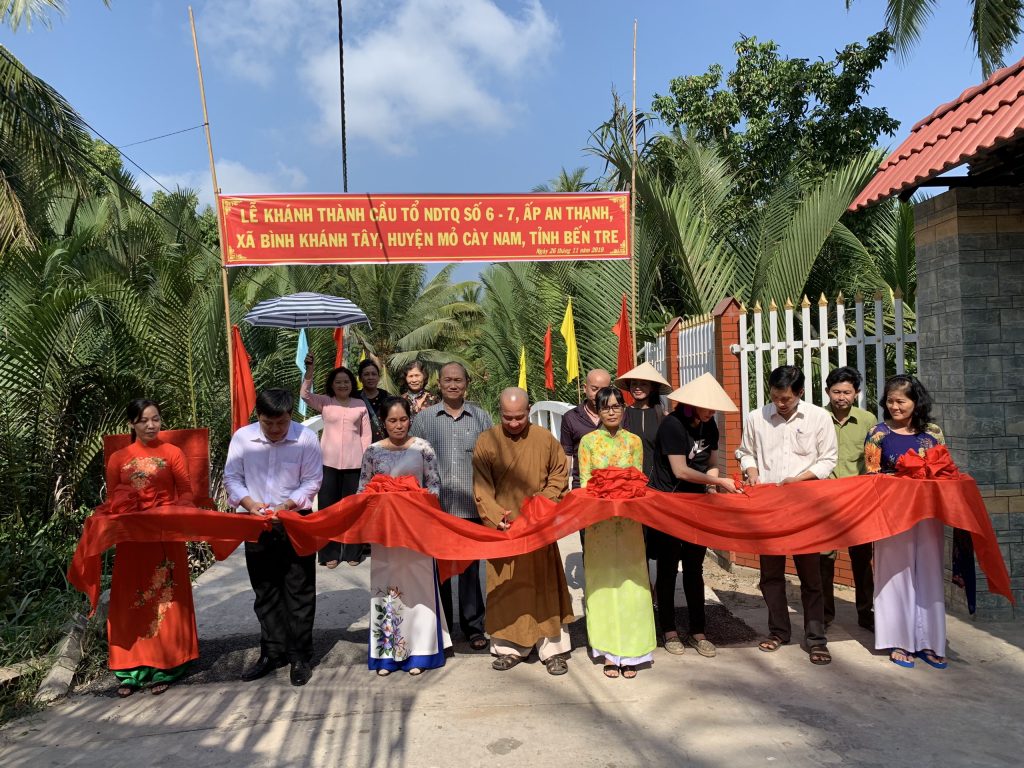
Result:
x=264 y=666
x=301 y=672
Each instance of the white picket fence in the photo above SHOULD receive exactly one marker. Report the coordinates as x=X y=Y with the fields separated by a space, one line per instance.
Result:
x=653 y=352
x=696 y=353
x=696 y=348
x=827 y=341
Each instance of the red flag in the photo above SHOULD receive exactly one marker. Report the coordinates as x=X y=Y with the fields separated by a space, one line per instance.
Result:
x=339 y=341
x=243 y=391
x=625 y=361
x=549 y=363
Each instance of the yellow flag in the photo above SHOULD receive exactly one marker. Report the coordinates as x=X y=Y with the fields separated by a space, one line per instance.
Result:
x=362 y=356
x=522 y=367
x=572 y=354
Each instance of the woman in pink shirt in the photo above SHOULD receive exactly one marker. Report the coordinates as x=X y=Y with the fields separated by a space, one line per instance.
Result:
x=345 y=436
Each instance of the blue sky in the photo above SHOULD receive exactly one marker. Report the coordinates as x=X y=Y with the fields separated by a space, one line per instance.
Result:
x=442 y=95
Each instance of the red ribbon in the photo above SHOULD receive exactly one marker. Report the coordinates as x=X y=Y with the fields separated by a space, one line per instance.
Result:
x=629 y=483
x=389 y=484
x=936 y=464
x=813 y=516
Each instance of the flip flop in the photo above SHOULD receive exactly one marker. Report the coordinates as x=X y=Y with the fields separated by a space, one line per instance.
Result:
x=907 y=662
x=932 y=659
x=157 y=688
x=124 y=691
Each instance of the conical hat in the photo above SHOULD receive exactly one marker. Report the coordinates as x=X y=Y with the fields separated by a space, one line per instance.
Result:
x=704 y=392
x=645 y=372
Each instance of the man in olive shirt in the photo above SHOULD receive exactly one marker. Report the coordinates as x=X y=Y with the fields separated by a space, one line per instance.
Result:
x=852 y=427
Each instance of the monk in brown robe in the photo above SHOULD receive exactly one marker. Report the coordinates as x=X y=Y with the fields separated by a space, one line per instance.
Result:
x=528 y=601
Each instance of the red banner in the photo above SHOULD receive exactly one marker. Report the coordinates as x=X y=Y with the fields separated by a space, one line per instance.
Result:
x=383 y=229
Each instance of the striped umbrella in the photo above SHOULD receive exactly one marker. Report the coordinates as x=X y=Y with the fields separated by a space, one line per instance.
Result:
x=306 y=310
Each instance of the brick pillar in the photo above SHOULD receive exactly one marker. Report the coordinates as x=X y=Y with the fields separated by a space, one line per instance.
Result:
x=672 y=351
x=970 y=314
x=727 y=371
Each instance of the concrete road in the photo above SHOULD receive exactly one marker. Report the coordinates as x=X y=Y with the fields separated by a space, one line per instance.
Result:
x=742 y=708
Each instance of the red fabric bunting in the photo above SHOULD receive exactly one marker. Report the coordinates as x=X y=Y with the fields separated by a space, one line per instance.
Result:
x=814 y=516
x=935 y=464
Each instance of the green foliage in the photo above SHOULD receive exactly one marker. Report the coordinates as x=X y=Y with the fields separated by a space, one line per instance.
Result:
x=42 y=142
x=995 y=27
x=775 y=117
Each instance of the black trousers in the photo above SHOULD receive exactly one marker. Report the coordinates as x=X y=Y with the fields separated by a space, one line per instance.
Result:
x=668 y=553
x=285 y=587
x=863 y=583
x=336 y=485
x=471 y=601
x=773 y=588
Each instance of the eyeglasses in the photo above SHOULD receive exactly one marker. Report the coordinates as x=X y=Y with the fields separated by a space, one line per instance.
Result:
x=610 y=409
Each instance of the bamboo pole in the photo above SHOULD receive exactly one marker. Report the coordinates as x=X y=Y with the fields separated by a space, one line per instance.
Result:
x=632 y=211
x=220 y=222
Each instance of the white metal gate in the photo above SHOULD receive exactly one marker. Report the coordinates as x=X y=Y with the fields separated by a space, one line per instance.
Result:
x=828 y=343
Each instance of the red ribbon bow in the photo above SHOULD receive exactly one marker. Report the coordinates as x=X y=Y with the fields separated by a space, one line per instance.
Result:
x=389 y=484
x=934 y=465
x=614 y=483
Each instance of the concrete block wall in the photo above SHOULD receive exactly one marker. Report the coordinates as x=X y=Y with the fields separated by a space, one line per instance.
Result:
x=970 y=315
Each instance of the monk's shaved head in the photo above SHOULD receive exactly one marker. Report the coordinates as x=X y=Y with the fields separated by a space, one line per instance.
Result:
x=512 y=395
x=597 y=379
x=514 y=406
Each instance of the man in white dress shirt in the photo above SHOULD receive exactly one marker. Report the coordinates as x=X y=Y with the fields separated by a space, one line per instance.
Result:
x=790 y=441
x=275 y=464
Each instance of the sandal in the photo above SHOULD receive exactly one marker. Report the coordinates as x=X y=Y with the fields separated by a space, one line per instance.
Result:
x=383 y=672
x=505 y=662
x=771 y=643
x=703 y=646
x=674 y=645
x=611 y=671
x=124 y=691
x=352 y=563
x=629 y=672
x=331 y=564
x=819 y=655
x=415 y=671
x=157 y=688
x=932 y=659
x=556 y=665
x=478 y=642
x=901 y=658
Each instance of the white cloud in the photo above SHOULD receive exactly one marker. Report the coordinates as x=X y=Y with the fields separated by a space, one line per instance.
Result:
x=410 y=65
x=432 y=63
x=252 y=37
x=233 y=177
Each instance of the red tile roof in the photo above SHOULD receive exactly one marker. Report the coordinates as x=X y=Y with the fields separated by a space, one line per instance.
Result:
x=982 y=118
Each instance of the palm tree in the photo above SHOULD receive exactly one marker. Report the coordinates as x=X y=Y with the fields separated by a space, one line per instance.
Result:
x=43 y=143
x=995 y=27
x=410 y=317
